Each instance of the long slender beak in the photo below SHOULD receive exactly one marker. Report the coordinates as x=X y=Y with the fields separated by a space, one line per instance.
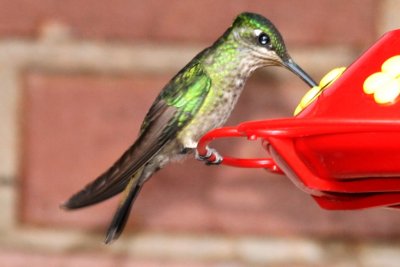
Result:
x=293 y=67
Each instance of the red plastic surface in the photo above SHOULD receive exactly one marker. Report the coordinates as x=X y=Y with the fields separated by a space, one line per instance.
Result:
x=343 y=149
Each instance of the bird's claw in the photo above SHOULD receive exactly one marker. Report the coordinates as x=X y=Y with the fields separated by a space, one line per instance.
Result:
x=212 y=157
x=217 y=161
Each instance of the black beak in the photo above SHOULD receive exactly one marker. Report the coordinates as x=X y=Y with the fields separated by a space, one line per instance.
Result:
x=293 y=67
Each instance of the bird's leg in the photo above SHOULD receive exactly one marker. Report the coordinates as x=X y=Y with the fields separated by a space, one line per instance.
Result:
x=212 y=157
x=186 y=150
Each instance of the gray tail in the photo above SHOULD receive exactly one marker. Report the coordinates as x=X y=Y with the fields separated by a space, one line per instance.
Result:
x=121 y=216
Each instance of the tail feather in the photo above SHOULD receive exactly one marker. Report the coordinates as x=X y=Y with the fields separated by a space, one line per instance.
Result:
x=122 y=214
x=111 y=182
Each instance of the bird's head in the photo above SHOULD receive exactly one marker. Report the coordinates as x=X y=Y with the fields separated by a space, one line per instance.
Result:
x=261 y=41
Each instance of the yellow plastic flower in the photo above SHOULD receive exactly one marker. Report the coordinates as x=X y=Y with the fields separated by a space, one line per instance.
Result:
x=385 y=85
x=331 y=76
x=314 y=92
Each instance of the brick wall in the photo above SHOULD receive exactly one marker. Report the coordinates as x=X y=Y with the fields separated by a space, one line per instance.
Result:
x=76 y=79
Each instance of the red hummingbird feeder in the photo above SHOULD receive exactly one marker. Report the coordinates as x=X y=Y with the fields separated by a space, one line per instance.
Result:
x=343 y=146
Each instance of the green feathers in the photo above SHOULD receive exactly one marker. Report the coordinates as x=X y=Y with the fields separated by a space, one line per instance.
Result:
x=258 y=22
x=187 y=91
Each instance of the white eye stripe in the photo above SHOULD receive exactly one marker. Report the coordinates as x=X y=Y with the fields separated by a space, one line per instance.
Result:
x=257 y=32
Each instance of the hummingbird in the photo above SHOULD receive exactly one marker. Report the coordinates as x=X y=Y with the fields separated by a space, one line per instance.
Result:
x=199 y=98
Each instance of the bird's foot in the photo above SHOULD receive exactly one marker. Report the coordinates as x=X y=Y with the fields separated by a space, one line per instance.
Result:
x=212 y=157
x=186 y=150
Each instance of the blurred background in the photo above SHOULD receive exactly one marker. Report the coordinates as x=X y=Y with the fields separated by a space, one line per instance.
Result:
x=76 y=79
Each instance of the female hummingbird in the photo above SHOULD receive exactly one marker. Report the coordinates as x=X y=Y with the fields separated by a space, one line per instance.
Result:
x=197 y=99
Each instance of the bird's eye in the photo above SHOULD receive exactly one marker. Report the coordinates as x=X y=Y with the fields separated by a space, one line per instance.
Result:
x=264 y=40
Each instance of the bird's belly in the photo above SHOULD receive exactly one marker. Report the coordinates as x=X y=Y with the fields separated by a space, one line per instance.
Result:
x=205 y=121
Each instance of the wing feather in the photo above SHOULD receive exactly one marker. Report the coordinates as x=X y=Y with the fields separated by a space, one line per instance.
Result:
x=173 y=109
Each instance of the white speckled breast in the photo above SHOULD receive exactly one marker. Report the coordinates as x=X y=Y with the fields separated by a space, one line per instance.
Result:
x=214 y=112
x=228 y=80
